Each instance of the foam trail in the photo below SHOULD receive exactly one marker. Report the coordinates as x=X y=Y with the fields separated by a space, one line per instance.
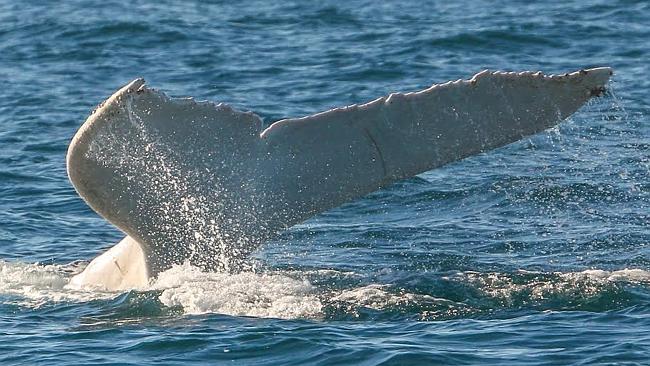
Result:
x=293 y=295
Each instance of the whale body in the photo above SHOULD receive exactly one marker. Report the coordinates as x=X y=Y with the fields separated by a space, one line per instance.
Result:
x=204 y=183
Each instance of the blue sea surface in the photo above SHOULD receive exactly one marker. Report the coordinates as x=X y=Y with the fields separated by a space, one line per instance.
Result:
x=537 y=253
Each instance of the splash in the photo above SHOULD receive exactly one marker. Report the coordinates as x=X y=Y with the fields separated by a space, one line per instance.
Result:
x=182 y=216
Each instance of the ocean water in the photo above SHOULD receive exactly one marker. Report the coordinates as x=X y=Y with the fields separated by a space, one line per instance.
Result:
x=537 y=253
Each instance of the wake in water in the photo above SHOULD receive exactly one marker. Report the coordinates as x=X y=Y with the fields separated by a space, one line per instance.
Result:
x=336 y=295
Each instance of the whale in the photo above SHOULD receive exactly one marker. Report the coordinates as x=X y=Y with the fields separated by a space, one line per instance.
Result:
x=204 y=183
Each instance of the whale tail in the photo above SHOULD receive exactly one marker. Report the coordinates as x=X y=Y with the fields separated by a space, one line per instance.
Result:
x=202 y=182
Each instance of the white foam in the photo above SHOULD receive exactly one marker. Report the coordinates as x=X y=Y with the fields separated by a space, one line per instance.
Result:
x=623 y=275
x=542 y=285
x=34 y=285
x=266 y=295
x=377 y=297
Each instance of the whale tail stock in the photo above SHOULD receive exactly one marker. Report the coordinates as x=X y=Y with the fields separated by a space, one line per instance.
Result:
x=202 y=182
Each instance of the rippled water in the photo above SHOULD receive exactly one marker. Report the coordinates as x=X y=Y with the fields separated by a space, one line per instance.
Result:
x=537 y=253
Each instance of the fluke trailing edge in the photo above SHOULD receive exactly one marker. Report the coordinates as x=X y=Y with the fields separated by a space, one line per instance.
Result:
x=202 y=182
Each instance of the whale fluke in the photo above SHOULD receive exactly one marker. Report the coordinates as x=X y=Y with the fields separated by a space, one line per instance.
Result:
x=204 y=183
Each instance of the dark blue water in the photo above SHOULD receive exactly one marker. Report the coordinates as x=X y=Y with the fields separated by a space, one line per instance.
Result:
x=537 y=253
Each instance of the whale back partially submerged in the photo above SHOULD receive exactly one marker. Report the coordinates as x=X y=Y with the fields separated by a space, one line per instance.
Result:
x=202 y=182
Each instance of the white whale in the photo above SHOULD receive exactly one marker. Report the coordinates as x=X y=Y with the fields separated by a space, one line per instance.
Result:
x=202 y=182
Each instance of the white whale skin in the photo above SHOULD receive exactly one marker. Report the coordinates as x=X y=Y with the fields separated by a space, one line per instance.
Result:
x=203 y=182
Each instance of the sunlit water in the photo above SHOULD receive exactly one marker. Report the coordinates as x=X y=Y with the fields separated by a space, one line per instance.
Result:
x=537 y=253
